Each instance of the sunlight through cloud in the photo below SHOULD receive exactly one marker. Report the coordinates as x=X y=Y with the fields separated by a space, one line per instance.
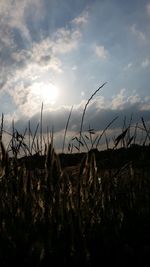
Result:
x=47 y=93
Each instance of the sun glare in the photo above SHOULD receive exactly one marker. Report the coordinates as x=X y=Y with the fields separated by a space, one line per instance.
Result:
x=47 y=93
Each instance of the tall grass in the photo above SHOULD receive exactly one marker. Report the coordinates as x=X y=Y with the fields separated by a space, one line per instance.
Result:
x=95 y=211
x=51 y=215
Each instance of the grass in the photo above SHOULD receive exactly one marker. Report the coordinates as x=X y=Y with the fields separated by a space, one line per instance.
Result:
x=95 y=211
x=78 y=215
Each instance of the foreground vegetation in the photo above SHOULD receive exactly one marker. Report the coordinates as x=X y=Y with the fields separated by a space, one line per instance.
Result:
x=83 y=214
x=72 y=209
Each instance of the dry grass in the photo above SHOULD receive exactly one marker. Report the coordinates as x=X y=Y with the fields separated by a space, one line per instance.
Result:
x=51 y=215
x=78 y=213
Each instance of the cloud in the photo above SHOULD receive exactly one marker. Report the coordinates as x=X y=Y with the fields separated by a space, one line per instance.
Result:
x=74 y=67
x=24 y=68
x=29 y=96
x=15 y=36
x=119 y=100
x=82 y=19
x=146 y=63
x=101 y=52
x=13 y=16
x=99 y=111
x=35 y=65
x=41 y=48
x=129 y=66
x=124 y=101
x=138 y=34
x=46 y=51
x=148 y=9
x=43 y=55
x=20 y=53
x=65 y=40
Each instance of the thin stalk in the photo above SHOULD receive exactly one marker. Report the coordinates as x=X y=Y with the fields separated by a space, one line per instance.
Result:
x=146 y=130
x=29 y=132
x=48 y=142
x=83 y=114
x=104 y=131
x=91 y=140
x=135 y=133
x=106 y=140
x=66 y=128
x=41 y=129
x=33 y=141
x=1 y=128
x=85 y=142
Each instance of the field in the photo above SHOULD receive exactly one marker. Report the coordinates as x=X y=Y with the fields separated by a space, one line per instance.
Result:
x=75 y=208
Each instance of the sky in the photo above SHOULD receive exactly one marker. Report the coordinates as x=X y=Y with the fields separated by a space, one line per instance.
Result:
x=59 y=52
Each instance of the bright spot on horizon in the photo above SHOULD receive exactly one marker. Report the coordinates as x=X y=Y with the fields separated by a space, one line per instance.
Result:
x=46 y=92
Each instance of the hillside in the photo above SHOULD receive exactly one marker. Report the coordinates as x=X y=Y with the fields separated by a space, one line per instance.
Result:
x=63 y=210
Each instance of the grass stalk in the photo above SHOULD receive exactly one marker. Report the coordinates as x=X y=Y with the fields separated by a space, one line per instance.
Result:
x=83 y=114
x=41 y=129
x=1 y=128
x=104 y=132
x=66 y=128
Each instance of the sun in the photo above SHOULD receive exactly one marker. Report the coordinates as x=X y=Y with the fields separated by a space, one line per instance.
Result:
x=46 y=93
x=49 y=93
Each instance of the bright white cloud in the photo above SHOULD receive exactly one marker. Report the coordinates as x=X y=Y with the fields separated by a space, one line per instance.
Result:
x=63 y=41
x=119 y=99
x=46 y=52
x=134 y=99
x=101 y=52
x=146 y=103
x=122 y=100
x=41 y=60
x=43 y=55
x=29 y=98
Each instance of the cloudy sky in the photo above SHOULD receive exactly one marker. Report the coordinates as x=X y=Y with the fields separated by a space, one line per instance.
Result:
x=60 y=51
